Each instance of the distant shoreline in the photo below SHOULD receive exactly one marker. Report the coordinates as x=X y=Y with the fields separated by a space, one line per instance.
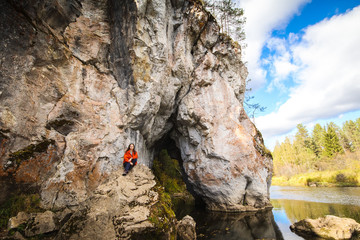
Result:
x=339 y=178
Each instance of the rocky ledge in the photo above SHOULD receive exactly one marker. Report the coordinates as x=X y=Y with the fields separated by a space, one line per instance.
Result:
x=328 y=227
x=124 y=207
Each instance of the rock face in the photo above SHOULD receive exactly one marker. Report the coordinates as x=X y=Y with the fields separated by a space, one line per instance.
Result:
x=186 y=228
x=80 y=80
x=329 y=227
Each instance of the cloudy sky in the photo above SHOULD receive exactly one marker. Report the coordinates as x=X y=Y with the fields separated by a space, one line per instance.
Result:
x=303 y=58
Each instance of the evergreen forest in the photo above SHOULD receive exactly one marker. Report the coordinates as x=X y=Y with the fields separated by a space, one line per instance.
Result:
x=327 y=155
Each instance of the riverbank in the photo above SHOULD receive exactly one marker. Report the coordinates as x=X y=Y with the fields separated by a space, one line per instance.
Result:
x=338 y=178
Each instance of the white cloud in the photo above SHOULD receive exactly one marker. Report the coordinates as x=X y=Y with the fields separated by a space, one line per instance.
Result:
x=262 y=17
x=279 y=63
x=328 y=75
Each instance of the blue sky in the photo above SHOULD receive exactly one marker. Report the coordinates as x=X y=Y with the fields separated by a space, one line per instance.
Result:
x=303 y=59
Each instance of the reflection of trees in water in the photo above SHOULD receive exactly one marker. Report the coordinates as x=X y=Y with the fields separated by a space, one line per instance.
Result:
x=297 y=210
x=236 y=226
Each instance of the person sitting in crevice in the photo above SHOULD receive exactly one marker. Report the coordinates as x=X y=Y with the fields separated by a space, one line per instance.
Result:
x=130 y=158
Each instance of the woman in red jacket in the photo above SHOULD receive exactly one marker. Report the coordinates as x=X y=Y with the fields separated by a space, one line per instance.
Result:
x=130 y=158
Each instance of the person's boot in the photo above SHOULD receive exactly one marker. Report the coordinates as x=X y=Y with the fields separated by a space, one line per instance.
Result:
x=125 y=172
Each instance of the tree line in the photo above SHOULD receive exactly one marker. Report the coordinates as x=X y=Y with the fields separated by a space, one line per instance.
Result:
x=327 y=147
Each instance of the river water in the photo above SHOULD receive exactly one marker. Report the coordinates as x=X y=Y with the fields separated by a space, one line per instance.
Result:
x=290 y=204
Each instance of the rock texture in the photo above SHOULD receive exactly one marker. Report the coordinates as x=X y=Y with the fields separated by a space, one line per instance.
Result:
x=80 y=80
x=328 y=227
x=186 y=228
x=118 y=209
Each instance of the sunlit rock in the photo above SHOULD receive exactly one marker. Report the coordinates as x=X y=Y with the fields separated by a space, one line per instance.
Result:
x=80 y=80
x=328 y=227
x=186 y=228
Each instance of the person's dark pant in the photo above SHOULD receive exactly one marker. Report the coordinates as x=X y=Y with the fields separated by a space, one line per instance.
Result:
x=128 y=166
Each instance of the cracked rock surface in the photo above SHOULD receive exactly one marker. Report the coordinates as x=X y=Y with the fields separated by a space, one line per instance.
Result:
x=81 y=79
x=117 y=209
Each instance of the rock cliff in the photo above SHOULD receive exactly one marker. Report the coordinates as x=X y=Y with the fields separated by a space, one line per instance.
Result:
x=81 y=79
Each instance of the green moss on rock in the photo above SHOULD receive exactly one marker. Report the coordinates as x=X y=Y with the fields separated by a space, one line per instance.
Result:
x=259 y=145
x=29 y=203
x=171 y=189
x=167 y=171
x=162 y=214
x=29 y=151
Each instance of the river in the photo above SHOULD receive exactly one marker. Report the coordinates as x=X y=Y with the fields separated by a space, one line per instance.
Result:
x=290 y=204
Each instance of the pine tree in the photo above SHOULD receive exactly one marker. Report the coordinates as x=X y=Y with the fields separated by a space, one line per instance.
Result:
x=317 y=139
x=350 y=135
x=331 y=141
x=230 y=18
x=302 y=136
x=318 y=152
x=304 y=154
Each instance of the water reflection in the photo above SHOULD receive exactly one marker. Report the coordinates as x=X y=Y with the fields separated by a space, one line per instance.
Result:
x=296 y=210
x=291 y=204
x=340 y=195
x=286 y=212
x=240 y=226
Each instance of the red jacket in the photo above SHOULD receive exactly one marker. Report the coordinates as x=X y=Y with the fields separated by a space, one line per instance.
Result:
x=128 y=155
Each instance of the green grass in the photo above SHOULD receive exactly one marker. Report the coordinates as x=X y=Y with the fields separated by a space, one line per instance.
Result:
x=338 y=178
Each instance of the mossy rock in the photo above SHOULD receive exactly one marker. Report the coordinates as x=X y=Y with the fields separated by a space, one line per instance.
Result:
x=259 y=145
x=162 y=214
x=29 y=203
x=170 y=187
x=168 y=172
x=29 y=151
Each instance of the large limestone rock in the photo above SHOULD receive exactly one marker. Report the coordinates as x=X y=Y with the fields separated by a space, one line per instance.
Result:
x=80 y=80
x=328 y=227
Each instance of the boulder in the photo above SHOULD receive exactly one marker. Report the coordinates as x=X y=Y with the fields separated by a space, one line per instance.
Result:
x=328 y=227
x=40 y=223
x=186 y=228
x=18 y=236
x=20 y=218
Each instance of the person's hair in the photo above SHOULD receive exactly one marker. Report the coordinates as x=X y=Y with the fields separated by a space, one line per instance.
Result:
x=129 y=148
